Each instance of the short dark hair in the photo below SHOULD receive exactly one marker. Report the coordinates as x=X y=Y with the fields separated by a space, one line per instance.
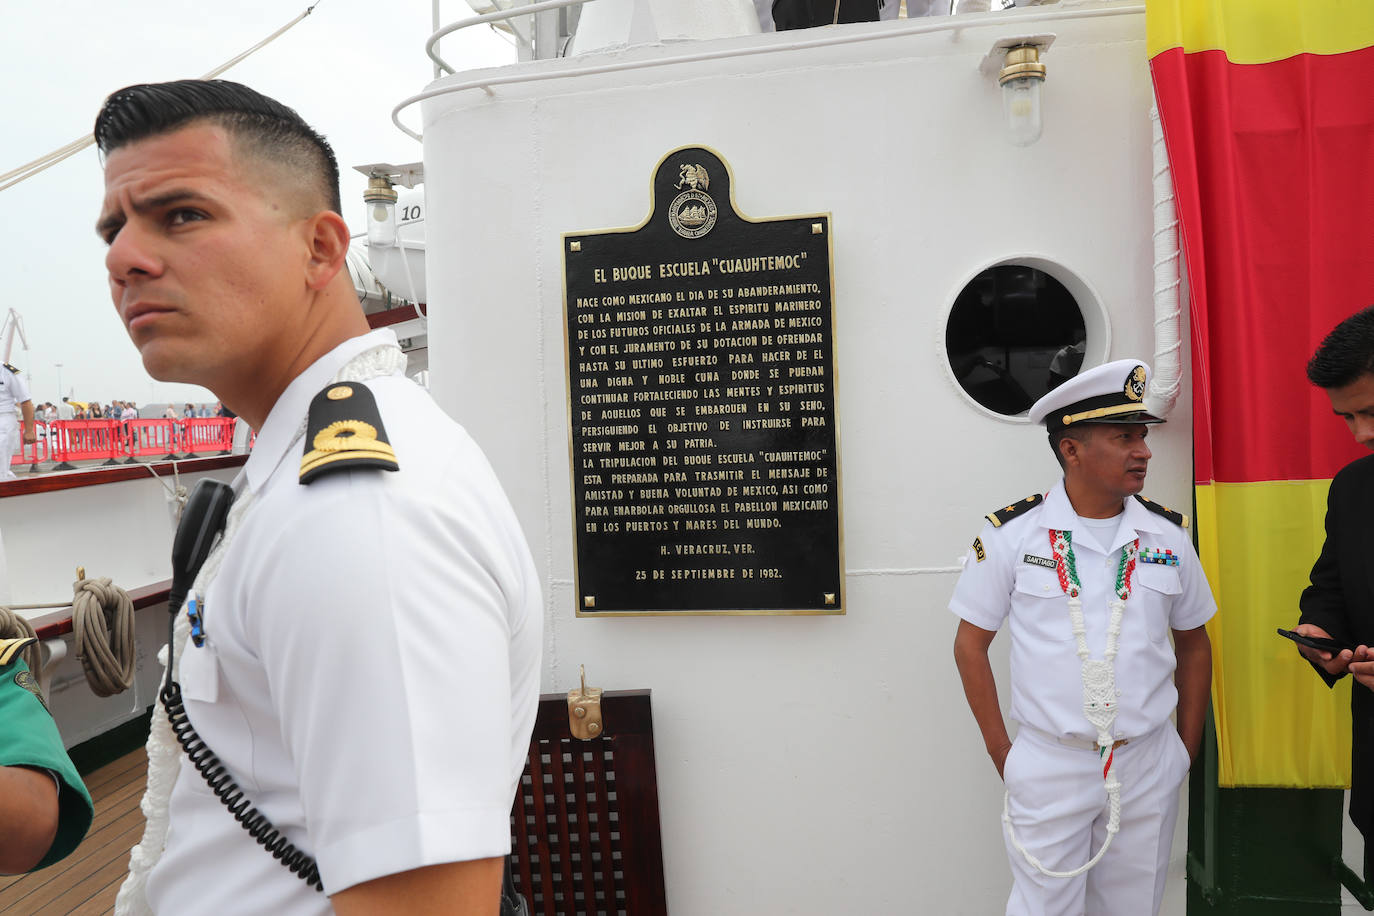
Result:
x=1346 y=353
x=1081 y=432
x=268 y=128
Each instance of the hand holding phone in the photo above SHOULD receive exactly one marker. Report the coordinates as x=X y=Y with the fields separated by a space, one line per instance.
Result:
x=1321 y=644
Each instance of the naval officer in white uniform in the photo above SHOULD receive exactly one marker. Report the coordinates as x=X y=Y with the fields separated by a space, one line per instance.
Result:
x=15 y=405
x=1091 y=580
x=363 y=656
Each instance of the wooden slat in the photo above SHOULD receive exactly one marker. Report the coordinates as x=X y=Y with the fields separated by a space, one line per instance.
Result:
x=636 y=790
x=520 y=845
x=601 y=801
x=560 y=829
x=541 y=823
x=584 y=833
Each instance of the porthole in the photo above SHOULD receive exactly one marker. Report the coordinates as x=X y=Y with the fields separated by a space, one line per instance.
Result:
x=1014 y=333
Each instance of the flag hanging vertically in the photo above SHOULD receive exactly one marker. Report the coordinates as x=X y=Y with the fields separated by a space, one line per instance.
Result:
x=1268 y=115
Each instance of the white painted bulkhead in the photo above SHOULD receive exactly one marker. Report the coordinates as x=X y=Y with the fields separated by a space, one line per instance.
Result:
x=809 y=765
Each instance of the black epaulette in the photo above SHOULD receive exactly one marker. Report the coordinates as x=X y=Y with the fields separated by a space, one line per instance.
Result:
x=10 y=649
x=11 y=368
x=344 y=432
x=1178 y=518
x=1002 y=516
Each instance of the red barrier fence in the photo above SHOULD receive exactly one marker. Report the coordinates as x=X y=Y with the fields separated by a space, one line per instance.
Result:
x=150 y=438
x=113 y=441
x=207 y=434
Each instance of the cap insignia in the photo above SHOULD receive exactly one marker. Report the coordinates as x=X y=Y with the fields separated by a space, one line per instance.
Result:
x=1135 y=384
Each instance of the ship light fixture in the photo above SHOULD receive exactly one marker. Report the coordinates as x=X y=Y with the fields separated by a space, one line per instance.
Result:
x=1021 y=79
x=380 y=198
x=1015 y=61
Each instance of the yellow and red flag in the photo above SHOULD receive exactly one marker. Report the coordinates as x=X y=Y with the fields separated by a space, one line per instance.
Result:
x=1268 y=115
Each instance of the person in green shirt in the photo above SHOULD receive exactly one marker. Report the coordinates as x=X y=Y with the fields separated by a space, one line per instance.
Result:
x=45 y=809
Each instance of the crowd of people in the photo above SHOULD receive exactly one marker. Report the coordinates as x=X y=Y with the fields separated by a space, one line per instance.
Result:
x=69 y=409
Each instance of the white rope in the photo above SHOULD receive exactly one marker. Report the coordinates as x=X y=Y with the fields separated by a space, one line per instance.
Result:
x=163 y=750
x=1100 y=702
x=1166 y=381
x=176 y=491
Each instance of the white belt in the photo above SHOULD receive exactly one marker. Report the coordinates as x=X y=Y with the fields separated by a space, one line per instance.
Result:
x=1080 y=743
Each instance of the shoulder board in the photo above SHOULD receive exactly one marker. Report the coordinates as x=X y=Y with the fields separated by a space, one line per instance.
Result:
x=344 y=432
x=10 y=649
x=11 y=368
x=1002 y=516
x=1178 y=518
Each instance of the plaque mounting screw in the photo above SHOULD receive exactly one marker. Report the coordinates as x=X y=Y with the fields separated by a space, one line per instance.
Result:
x=830 y=598
x=574 y=246
x=817 y=229
x=589 y=601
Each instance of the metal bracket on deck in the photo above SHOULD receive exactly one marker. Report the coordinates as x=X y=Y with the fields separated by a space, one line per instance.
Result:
x=584 y=711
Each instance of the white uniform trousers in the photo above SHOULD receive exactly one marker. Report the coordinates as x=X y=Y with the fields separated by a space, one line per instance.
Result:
x=1058 y=807
x=10 y=437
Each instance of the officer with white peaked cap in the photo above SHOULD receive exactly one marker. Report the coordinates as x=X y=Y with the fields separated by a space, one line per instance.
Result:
x=1090 y=579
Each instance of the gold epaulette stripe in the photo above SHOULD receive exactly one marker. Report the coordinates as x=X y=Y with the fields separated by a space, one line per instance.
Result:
x=9 y=648
x=319 y=459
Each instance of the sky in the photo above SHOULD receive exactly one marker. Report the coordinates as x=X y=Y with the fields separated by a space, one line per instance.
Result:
x=343 y=68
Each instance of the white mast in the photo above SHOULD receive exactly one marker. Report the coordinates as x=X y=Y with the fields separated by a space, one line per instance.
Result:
x=13 y=322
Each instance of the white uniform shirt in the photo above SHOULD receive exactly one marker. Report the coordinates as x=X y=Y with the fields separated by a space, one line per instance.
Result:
x=13 y=392
x=1016 y=581
x=371 y=671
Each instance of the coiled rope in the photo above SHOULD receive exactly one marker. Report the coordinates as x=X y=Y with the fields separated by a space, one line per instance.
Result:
x=13 y=626
x=103 y=622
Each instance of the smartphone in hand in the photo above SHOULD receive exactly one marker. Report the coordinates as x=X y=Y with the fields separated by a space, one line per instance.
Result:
x=1319 y=643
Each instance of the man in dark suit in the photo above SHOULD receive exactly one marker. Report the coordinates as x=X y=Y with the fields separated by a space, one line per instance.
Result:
x=1339 y=604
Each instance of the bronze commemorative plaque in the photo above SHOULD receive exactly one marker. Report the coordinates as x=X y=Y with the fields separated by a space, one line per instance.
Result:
x=701 y=381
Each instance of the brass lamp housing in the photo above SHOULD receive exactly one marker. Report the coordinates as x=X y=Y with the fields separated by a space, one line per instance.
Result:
x=379 y=190
x=1023 y=61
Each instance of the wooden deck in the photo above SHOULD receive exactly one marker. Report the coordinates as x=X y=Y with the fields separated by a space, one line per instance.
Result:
x=87 y=880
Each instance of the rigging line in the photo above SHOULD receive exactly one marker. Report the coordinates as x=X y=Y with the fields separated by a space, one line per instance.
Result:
x=42 y=163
